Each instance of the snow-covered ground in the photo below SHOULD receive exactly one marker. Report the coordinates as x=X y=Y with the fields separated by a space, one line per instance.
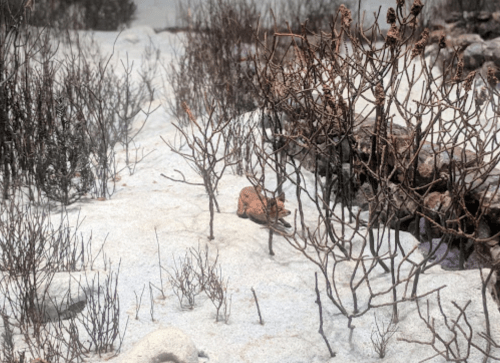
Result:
x=284 y=283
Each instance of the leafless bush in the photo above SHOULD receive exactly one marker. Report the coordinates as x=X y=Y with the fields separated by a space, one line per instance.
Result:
x=184 y=281
x=101 y=320
x=342 y=124
x=130 y=99
x=64 y=111
x=452 y=338
x=382 y=336
x=216 y=49
x=33 y=250
x=216 y=289
x=215 y=66
x=208 y=155
x=197 y=273
x=79 y=14
x=316 y=15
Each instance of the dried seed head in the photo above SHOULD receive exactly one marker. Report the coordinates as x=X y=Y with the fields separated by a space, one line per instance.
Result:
x=392 y=35
x=346 y=16
x=442 y=41
x=468 y=81
x=391 y=16
x=413 y=23
x=420 y=45
x=460 y=70
x=400 y=3
x=342 y=104
x=379 y=95
x=492 y=79
x=416 y=8
x=188 y=111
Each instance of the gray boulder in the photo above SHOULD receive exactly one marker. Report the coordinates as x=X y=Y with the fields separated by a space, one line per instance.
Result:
x=464 y=40
x=474 y=55
x=492 y=51
x=168 y=345
x=61 y=295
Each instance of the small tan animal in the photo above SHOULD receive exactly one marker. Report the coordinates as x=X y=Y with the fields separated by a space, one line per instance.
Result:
x=252 y=204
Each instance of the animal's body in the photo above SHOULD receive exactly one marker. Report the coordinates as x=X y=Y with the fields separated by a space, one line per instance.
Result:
x=254 y=205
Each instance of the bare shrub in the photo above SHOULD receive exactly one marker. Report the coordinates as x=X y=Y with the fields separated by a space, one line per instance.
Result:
x=101 y=320
x=78 y=14
x=197 y=273
x=215 y=69
x=207 y=155
x=316 y=15
x=216 y=289
x=343 y=125
x=65 y=111
x=184 y=280
x=381 y=336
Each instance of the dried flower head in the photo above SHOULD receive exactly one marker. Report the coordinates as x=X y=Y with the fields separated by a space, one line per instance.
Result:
x=416 y=8
x=188 y=111
x=460 y=70
x=468 y=81
x=379 y=95
x=442 y=41
x=420 y=45
x=400 y=3
x=391 y=16
x=392 y=35
x=342 y=104
x=346 y=16
x=414 y=23
x=492 y=78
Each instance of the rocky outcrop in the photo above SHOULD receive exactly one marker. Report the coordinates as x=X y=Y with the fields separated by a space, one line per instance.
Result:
x=62 y=295
x=164 y=345
x=484 y=23
x=476 y=36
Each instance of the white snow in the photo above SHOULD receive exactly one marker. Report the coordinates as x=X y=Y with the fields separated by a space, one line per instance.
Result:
x=145 y=202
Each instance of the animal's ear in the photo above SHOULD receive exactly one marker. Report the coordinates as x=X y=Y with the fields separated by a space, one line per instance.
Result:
x=272 y=203
x=281 y=197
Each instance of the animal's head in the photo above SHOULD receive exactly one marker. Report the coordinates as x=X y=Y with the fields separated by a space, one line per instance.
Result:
x=277 y=207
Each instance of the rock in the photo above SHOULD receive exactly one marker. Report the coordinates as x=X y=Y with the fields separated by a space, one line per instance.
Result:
x=464 y=40
x=362 y=196
x=492 y=51
x=486 y=189
x=437 y=205
x=496 y=16
x=403 y=203
x=474 y=55
x=489 y=29
x=67 y=293
x=397 y=135
x=480 y=82
x=434 y=163
x=483 y=16
x=453 y=17
x=62 y=295
x=163 y=345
